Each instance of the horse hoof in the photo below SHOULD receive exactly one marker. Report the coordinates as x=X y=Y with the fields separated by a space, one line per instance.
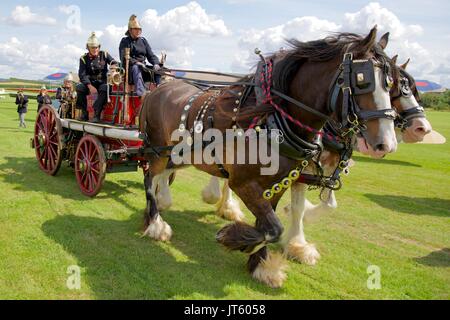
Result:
x=304 y=253
x=230 y=210
x=271 y=270
x=159 y=230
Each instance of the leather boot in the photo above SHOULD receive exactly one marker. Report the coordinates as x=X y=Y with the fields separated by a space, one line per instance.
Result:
x=84 y=116
x=97 y=118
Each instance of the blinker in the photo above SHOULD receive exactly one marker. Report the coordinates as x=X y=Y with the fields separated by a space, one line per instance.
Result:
x=363 y=77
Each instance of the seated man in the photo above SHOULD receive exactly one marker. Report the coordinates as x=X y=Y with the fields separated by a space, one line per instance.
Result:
x=93 y=73
x=140 y=51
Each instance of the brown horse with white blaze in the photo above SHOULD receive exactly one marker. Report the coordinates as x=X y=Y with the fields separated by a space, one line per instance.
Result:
x=305 y=75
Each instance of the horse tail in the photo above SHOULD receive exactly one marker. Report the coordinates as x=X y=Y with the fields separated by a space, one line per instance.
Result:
x=241 y=236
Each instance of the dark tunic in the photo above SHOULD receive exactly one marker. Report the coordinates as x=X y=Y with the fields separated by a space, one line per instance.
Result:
x=140 y=51
x=43 y=99
x=94 y=69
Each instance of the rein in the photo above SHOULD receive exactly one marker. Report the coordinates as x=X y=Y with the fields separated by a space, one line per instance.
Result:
x=353 y=77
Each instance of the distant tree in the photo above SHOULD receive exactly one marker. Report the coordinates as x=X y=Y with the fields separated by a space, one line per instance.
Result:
x=438 y=101
x=429 y=99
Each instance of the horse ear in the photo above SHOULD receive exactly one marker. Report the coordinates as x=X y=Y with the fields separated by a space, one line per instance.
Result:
x=368 y=42
x=394 y=59
x=403 y=66
x=384 y=41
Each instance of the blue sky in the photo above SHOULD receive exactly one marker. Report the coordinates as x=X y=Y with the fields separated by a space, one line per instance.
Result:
x=422 y=30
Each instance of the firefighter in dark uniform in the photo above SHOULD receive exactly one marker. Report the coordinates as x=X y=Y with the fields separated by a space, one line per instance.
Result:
x=43 y=98
x=93 y=73
x=139 y=53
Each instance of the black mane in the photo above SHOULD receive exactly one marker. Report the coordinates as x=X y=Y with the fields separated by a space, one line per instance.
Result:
x=318 y=51
x=411 y=81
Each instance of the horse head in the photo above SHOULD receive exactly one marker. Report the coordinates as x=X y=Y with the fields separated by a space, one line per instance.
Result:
x=379 y=137
x=412 y=123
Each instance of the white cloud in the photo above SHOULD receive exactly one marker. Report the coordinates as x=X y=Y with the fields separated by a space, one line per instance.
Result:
x=29 y=61
x=173 y=32
x=403 y=40
x=272 y=39
x=188 y=33
x=22 y=15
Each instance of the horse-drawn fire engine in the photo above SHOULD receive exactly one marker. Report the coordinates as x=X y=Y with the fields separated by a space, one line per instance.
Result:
x=92 y=149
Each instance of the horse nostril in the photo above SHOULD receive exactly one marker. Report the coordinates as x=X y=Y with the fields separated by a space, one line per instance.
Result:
x=422 y=131
x=381 y=147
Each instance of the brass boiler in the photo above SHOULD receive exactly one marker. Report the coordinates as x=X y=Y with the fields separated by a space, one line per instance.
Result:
x=114 y=77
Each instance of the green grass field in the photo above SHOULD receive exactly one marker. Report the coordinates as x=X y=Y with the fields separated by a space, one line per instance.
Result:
x=393 y=213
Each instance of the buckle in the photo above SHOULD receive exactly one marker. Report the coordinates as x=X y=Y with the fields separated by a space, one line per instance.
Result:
x=347 y=88
x=348 y=56
x=390 y=114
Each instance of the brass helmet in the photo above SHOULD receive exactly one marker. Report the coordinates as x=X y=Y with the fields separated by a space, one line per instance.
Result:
x=69 y=77
x=93 y=41
x=133 y=23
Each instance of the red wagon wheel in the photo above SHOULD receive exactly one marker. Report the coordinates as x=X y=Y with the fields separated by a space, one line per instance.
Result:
x=90 y=165
x=47 y=140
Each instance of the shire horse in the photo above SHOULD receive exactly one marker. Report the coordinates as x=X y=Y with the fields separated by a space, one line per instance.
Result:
x=304 y=77
x=411 y=127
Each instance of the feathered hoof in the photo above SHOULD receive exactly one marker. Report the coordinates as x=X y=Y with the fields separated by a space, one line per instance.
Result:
x=159 y=230
x=271 y=271
x=306 y=253
x=211 y=197
x=230 y=210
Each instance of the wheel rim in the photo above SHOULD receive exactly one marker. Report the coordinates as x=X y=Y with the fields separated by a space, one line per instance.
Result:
x=90 y=165
x=47 y=140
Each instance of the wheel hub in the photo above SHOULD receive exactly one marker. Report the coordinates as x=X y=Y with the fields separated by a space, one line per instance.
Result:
x=42 y=139
x=85 y=166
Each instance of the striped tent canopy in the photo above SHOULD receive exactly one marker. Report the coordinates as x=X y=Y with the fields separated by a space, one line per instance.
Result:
x=56 y=76
x=428 y=86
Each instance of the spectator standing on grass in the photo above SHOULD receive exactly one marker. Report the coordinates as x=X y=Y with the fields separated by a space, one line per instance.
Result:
x=43 y=98
x=22 y=107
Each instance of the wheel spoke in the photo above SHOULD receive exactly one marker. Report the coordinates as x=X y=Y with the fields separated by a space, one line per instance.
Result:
x=40 y=127
x=95 y=178
x=43 y=122
x=53 y=134
x=86 y=151
x=96 y=171
x=83 y=154
x=44 y=154
x=89 y=187
x=93 y=152
x=50 y=156
x=83 y=177
x=45 y=162
x=53 y=152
